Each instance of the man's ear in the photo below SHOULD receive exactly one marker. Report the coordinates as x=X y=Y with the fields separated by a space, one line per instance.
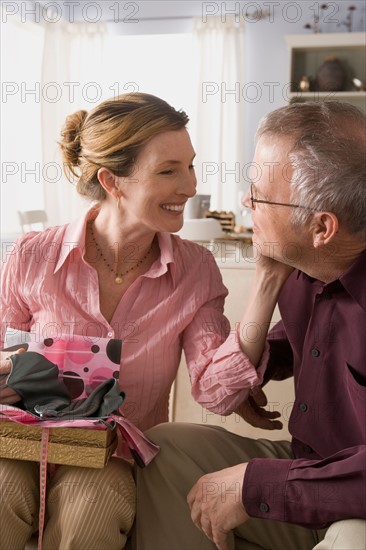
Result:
x=109 y=182
x=324 y=227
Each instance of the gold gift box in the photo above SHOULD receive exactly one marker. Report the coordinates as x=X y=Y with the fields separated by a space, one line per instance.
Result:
x=90 y=448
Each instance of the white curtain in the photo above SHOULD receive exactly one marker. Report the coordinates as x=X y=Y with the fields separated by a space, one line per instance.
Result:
x=220 y=117
x=21 y=187
x=72 y=79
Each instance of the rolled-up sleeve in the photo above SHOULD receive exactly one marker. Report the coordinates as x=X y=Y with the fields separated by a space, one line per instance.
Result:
x=14 y=310
x=221 y=374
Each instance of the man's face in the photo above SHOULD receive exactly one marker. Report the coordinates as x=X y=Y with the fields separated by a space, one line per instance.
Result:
x=274 y=233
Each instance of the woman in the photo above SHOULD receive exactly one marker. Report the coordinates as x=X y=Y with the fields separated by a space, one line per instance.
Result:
x=117 y=272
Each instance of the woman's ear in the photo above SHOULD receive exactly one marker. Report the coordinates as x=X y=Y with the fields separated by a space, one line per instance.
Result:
x=324 y=227
x=109 y=182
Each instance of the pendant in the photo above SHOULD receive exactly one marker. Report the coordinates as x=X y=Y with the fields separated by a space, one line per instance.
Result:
x=118 y=280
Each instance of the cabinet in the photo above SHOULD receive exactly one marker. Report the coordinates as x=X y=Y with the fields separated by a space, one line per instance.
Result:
x=307 y=53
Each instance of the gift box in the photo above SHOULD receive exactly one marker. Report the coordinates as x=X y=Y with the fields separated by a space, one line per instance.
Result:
x=87 y=447
x=83 y=364
x=78 y=431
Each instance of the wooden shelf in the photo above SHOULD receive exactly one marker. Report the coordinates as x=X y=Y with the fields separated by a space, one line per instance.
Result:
x=307 y=52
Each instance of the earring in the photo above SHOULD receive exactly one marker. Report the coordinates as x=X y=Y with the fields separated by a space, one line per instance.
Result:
x=118 y=202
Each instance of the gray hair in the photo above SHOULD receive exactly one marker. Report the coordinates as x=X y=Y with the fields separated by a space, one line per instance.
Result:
x=327 y=158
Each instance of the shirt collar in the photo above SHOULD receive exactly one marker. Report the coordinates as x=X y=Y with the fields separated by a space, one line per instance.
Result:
x=352 y=280
x=166 y=259
x=74 y=239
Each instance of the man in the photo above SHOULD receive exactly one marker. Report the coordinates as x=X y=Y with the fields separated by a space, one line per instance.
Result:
x=209 y=488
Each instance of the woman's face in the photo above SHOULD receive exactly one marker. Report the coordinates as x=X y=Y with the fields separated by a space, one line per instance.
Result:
x=163 y=179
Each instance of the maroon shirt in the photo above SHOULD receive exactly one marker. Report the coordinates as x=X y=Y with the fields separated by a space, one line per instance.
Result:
x=321 y=341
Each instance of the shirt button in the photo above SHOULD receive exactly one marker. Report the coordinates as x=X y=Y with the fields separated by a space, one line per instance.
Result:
x=315 y=352
x=303 y=407
x=110 y=334
x=264 y=507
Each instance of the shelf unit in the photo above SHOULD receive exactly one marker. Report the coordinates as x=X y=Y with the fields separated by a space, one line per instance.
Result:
x=307 y=52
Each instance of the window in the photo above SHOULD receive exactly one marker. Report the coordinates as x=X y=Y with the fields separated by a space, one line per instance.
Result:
x=156 y=64
x=21 y=150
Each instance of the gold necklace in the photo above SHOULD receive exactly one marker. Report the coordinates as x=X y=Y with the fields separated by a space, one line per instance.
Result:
x=118 y=277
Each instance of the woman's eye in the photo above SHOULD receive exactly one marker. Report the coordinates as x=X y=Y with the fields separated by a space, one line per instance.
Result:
x=166 y=172
x=170 y=171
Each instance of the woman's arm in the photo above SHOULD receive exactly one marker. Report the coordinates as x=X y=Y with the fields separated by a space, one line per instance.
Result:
x=269 y=279
x=14 y=309
x=225 y=365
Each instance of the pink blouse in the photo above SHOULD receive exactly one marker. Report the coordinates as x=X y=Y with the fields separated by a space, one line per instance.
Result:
x=47 y=287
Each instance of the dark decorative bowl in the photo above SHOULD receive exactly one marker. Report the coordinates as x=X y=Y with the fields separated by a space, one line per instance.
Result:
x=331 y=76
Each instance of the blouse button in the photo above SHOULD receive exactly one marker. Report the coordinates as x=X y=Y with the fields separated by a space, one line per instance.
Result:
x=315 y=352
x=303 y=407
x=110 y=334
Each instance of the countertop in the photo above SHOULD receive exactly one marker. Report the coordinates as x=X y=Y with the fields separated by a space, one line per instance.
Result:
x=231 y=253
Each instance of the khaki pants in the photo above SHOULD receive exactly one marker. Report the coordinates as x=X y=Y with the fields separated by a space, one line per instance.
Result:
x=87 y=508
x=188 y=451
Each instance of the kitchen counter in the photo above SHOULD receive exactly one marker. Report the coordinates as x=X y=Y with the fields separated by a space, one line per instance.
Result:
x=231 y=253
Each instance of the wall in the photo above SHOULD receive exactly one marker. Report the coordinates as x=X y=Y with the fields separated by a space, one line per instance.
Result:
x=266 y=50
x=266 y=53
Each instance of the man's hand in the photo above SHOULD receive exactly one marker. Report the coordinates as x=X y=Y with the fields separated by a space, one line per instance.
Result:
x=252 y=411
x=7 y=395
x=216 y=503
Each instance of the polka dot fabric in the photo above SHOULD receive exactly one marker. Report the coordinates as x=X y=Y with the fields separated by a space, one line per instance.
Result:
x=83 y=363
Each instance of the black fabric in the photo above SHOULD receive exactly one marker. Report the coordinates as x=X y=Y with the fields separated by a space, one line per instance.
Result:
x=43 y=393
x=105 y=399
x=36 y=380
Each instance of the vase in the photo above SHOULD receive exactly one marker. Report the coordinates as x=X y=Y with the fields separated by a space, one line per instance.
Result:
x=331 y=75
x=304 y=84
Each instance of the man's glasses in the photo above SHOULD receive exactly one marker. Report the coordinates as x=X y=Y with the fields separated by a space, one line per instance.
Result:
x=254 y=200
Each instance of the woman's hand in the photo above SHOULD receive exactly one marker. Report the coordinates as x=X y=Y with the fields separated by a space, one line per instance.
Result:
x=267 y=265
x=252 y=411
x=269 y=268
x=7 y=395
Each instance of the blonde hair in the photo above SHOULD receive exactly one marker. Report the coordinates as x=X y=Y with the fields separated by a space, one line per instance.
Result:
x=112 y=135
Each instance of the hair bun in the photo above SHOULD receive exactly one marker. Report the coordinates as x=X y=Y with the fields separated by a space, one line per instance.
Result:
x=71 y=140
